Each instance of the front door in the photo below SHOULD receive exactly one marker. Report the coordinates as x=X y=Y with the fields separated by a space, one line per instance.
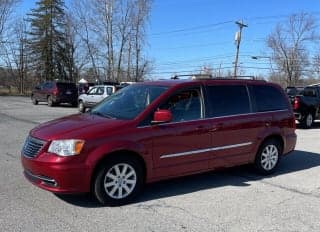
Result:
x=181 y=146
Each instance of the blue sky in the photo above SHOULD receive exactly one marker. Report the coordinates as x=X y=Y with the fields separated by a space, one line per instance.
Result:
x=183 y=35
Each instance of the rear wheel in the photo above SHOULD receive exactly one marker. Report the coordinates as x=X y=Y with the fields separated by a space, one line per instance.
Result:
x=268 y=156
x=50 y=101
x=34 y=100
x=118 y=181
x=307 y=120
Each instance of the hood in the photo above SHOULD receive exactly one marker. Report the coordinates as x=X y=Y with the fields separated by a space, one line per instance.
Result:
x=78 y=126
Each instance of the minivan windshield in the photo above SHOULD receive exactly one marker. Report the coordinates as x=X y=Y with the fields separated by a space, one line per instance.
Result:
x=128 y=102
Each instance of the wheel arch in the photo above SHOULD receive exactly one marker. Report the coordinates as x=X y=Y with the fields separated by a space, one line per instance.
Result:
x=276 y=137
x=112 y=155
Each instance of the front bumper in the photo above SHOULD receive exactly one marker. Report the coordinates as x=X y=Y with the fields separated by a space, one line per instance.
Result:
x=48 y=172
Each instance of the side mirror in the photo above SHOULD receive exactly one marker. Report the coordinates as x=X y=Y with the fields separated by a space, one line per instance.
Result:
x=162 y=116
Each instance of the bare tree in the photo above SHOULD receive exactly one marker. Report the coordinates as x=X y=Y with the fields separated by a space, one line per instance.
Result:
x=316 y=65
x=141 y=15
x=112 y=33
x=288 y=44
x=6 y=7
x=14 y=56
x=124 y=34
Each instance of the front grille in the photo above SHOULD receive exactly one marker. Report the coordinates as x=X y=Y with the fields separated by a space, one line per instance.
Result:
x=32 y=147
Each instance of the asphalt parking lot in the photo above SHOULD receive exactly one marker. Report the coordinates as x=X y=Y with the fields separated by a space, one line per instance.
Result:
x=230 y=200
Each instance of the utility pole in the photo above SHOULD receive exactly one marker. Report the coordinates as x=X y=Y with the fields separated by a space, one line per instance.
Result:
x=238 y=41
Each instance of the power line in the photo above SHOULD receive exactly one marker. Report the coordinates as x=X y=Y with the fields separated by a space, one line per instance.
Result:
x=193 y=46
x=221 y=68
x=206 y=26
x=205 y=58
x=195 y=28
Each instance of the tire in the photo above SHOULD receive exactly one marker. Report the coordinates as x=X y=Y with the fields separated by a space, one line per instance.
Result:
x=81 y=107
x=307 y=120
x=118 y=181
x=34 y=100
x=50 y=101
x=268 y=156
x=74 y=104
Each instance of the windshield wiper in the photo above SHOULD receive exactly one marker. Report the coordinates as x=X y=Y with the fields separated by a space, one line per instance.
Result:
x=101 y=114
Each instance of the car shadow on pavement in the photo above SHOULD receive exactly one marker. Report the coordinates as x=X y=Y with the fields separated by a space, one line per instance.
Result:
x=62 y=105
x=238 y=176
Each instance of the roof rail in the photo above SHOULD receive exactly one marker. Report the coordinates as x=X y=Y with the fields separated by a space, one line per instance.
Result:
x=209 y=76
x=193 y=76
x=316 y=84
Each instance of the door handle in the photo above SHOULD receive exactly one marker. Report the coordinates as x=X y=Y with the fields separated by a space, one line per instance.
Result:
x=201 y=128
x=268 y=124
x=216 y=127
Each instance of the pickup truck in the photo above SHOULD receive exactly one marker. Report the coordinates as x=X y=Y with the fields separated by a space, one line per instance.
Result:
x=306 y=105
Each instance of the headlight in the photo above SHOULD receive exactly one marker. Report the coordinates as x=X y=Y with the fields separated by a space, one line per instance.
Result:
x=66 y=147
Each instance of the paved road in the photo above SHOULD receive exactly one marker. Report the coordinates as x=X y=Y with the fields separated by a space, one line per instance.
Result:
x=230 y=200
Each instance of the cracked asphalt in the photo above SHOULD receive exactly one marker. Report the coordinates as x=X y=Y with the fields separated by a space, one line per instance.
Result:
x=229 y=200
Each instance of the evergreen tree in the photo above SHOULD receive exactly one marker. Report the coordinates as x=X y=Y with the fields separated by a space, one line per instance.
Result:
x=49 y=46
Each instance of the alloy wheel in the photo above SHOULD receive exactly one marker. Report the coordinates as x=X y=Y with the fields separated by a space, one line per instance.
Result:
x=309 y=120
x=120 y=181
x=269 y=157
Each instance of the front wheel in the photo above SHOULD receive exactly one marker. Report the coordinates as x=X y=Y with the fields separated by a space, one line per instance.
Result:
x=268 y=156
x=34 y=100
x=82 y=109
x=118 y=181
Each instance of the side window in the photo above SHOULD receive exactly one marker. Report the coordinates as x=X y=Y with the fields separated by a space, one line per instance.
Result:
x=100 y=91
x=267 y=98
x=227 y=100
x=185 y=105
x=40 y=86
x=109 y=90
x=50 y=85
x=92 y=91
x=46 y=85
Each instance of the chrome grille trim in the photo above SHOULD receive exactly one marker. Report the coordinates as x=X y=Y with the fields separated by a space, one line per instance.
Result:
x=32 y=146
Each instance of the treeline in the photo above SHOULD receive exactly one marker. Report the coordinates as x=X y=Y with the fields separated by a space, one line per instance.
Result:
x=100 y=40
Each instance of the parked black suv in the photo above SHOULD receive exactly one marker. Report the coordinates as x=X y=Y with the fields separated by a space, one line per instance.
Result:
x=306 y=105
x=55 y=93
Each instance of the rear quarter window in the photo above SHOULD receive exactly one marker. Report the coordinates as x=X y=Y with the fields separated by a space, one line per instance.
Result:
x=267 y=98
x=224 y=100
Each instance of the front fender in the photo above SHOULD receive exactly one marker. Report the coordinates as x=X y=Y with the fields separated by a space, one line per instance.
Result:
x=99 y=153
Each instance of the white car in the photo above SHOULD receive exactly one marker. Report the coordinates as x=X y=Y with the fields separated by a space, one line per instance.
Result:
x=95 y=95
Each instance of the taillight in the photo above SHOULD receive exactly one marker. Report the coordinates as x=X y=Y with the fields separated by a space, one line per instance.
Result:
x=55 y=91
x=296 y=103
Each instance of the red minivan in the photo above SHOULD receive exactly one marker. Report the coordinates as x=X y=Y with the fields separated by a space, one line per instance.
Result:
x=158 y=130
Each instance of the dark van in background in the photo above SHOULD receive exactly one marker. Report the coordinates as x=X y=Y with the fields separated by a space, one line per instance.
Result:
x=54 y=93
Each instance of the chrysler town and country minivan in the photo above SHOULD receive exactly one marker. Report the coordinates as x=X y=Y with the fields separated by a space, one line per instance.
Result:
x=152 y=131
